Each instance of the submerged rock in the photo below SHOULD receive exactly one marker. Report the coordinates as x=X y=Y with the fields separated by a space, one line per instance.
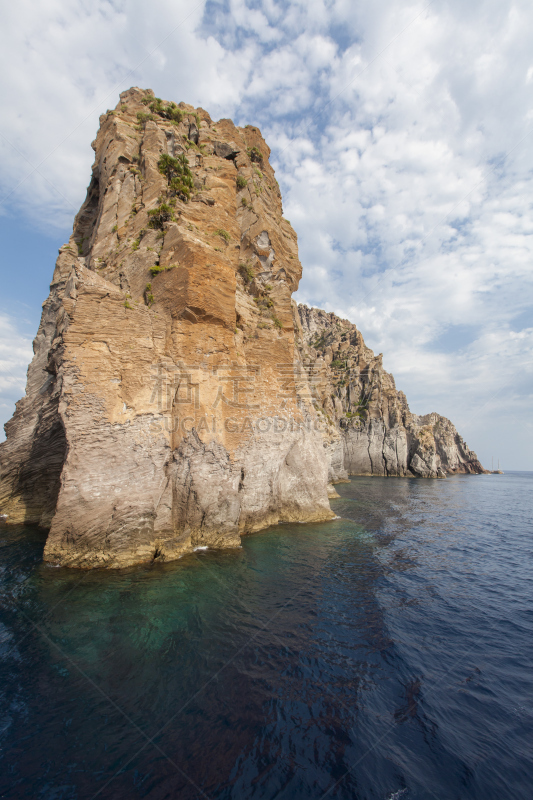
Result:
x=167 y=407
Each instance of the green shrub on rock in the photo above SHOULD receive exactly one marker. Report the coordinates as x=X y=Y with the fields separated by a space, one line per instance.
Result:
x=156 y=270
x=148 y=296
x=255 y=154
x=143 y=117
x=224 y=234
x=178 y=174
x=160 y=215
x=169 y=111
x=247 y=272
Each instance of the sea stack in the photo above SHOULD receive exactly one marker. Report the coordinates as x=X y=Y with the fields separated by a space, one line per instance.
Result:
x=178 y=397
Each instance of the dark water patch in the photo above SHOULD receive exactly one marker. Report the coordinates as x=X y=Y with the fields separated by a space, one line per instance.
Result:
x=387 y=654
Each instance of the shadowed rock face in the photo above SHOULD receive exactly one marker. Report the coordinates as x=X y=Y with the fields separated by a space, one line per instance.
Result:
x=167 y=406
x=352 y=391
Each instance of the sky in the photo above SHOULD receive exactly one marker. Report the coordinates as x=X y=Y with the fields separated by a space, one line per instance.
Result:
x=402 y=139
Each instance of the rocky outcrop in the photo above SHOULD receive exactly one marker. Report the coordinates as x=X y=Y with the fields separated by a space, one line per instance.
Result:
x=167 y=406
x=357 y=398
x=161 y=411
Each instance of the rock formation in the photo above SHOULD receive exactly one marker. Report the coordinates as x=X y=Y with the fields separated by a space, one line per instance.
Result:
x=167 y=406
x=356 y=397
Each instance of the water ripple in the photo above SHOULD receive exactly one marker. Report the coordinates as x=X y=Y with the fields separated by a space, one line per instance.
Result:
x=383 y=655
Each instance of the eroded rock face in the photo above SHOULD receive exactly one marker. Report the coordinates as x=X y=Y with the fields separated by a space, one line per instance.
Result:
x=378 y=433
x=167 y=406
x=161 y=411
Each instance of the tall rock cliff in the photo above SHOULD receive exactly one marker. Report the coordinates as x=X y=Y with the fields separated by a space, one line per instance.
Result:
x=356 y=397
x=167 y=406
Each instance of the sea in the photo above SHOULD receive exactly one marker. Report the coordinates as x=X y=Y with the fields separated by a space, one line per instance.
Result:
x=386 y=654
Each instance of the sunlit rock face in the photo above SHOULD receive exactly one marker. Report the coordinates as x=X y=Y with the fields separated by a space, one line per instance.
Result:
x=162 y=410
x=167 y=406
x=358 y=399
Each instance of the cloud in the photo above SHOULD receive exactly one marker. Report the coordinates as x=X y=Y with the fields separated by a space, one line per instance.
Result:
x=15 y=355
x=401 y=135
x=67 y=65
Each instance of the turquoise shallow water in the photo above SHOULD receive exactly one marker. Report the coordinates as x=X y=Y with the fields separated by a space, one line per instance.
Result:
x=387 y=654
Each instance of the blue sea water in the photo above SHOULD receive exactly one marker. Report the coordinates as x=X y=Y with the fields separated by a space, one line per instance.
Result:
x=387 y=654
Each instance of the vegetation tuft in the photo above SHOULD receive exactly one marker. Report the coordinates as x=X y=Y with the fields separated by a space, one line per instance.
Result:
x=136 y=242
x=168 y=111
x=224 y=234
x=323 y=340
x=157 y=270
x=160 y=215
x=247 y=272
x=263 y=302
x=255 y=154
x=143 y=117
x=178 y=175
x=148 y=296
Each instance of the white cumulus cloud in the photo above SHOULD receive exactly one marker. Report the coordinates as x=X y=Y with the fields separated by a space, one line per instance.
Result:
x=401 y=135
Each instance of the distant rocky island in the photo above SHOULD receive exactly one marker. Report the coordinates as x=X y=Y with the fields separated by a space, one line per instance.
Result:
x=178 y=397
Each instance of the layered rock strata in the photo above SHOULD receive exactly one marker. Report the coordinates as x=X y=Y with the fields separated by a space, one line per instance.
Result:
x=167 y=406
